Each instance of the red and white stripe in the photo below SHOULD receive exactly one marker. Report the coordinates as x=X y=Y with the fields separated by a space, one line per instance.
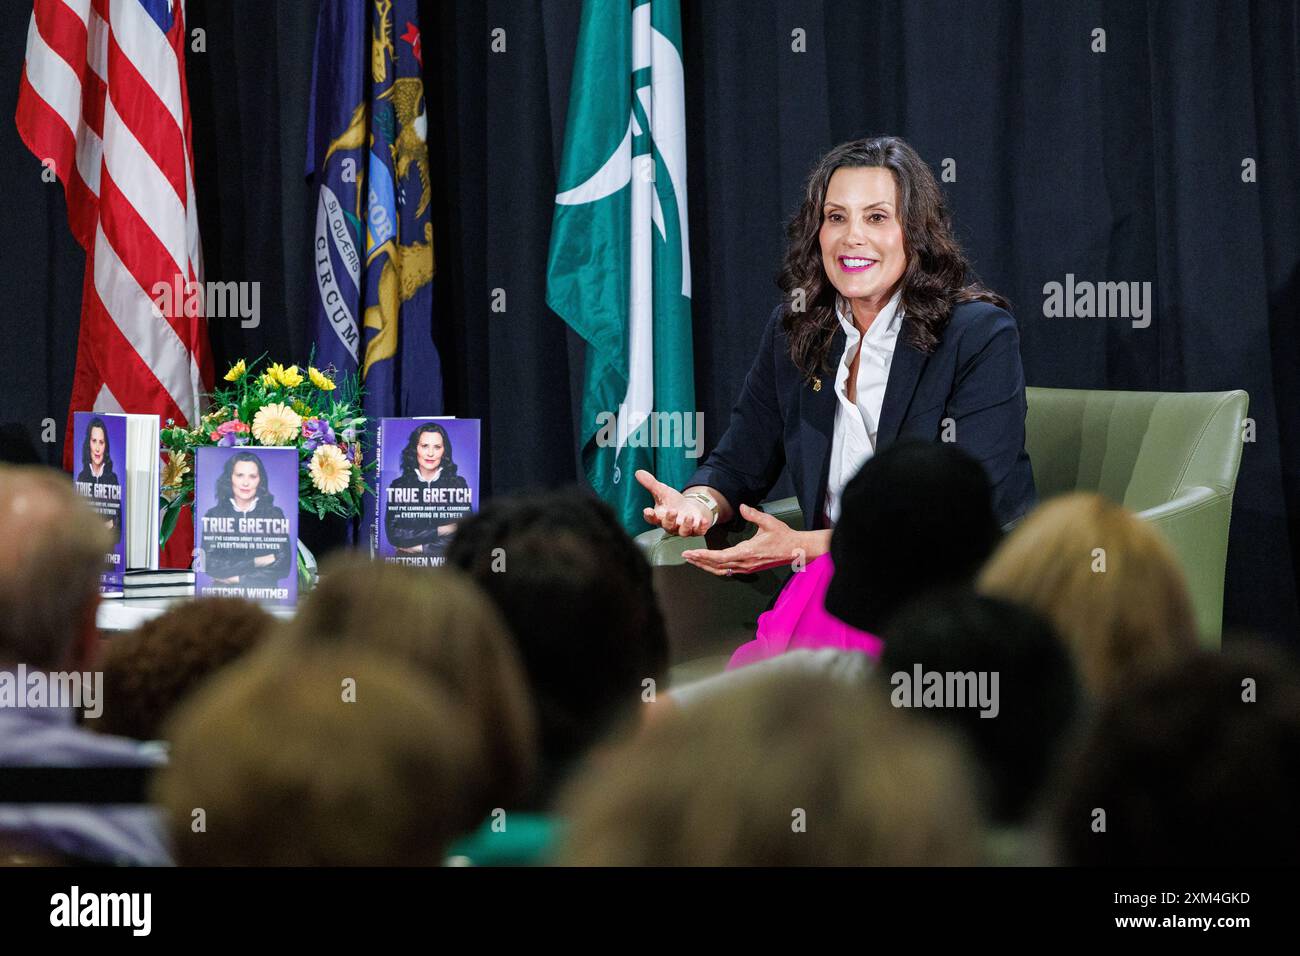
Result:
x=103 y=99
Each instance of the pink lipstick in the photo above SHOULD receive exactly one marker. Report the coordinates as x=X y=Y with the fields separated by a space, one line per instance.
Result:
x=855 y=263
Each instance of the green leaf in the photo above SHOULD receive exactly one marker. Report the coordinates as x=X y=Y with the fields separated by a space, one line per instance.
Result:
x=171 y=513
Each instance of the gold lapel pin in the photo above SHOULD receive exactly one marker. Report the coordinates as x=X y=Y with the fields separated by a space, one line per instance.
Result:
x=817 y=384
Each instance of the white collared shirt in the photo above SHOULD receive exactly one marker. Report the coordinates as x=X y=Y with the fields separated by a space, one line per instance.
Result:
x=857 y=422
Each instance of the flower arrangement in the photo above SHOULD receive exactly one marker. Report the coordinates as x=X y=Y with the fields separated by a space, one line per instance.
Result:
x=279 y=407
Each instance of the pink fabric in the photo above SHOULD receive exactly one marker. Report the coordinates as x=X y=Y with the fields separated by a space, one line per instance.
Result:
x=800 y=620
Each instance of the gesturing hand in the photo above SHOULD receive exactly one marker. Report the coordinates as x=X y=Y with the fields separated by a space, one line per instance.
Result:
x=673 y=512
x=773 y=545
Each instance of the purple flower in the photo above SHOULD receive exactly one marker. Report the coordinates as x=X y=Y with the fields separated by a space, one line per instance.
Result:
x=316 y=432
x=230 y=439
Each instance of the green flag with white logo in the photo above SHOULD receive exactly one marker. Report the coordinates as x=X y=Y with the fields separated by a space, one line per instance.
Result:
x=619 y=269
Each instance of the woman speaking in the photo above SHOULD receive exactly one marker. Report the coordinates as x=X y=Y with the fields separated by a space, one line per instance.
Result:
x=881 y=336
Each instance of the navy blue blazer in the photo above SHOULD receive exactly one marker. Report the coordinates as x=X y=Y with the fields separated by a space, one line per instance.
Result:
x=974 y=377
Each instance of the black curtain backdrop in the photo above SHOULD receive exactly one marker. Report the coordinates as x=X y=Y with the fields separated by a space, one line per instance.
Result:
x=1122 y=165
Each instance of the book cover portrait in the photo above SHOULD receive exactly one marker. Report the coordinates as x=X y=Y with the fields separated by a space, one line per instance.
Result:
x=428 y=481
x=98 y=470
x=246 y=524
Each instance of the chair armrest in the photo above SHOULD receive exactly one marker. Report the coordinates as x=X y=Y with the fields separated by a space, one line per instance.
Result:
x=706 y=615
x=665 y=550
x=1187 y=501
x=1196 y=526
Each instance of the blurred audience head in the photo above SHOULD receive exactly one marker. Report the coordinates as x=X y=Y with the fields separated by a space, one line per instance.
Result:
x=335 y=757
x=1106 y=580
x=577 y=595
x=1197 y=764
x=786 y=770
x=959 y=632
x=441 y=623
x=916 y=517
x=53 y=554
x=148 y=671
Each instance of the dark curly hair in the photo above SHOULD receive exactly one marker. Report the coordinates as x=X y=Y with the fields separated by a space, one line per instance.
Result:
x=150 y=670
x=408 y=453
x=226 y=490
x=937 y=276
x=577 y=595
x=97 y=422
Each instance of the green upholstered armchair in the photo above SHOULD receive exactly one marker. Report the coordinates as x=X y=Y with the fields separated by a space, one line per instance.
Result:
x=1172 y=457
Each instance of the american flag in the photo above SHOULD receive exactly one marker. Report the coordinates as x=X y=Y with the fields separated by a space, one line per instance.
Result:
x=103 y=104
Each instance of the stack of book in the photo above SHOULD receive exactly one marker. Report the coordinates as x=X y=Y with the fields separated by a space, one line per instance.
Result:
x=162 y=583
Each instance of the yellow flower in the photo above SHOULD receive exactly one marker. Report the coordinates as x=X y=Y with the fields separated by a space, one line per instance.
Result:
x=320 y=380
x=288 y=377
x=177 y=467
x=236 y=371
x=268 y=380
x=330 y=469
x=276 y=424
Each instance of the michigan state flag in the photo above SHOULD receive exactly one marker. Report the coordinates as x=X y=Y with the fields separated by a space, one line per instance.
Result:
x=372 y=311
x=619 y=271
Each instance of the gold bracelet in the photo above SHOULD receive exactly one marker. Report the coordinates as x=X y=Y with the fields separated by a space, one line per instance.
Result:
x=708 y=502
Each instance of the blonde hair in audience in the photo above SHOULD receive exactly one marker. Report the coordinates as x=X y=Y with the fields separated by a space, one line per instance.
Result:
x=783 y=770
x=282 y=769
x=53 y=554
x=1122 y=608
x=442 y=623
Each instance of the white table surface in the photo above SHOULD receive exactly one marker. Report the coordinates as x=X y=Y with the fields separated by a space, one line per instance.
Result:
x=124 y=614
